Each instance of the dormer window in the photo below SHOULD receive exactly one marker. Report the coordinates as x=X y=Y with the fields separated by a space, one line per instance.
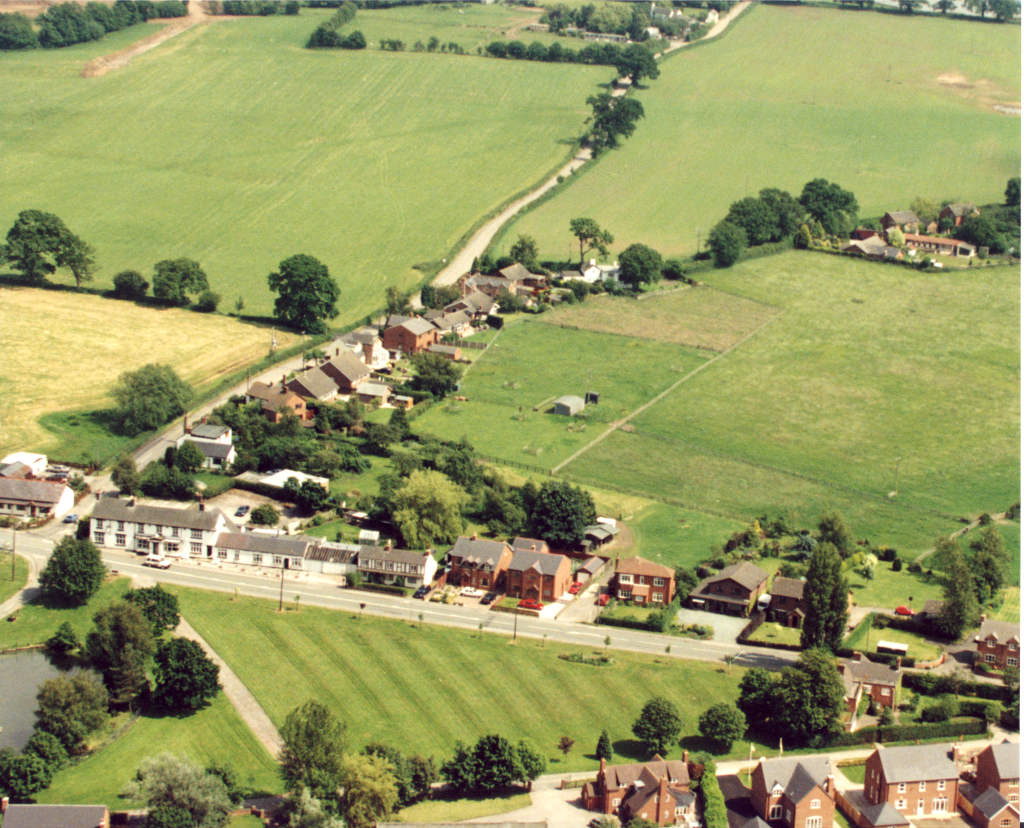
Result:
x=777 y=790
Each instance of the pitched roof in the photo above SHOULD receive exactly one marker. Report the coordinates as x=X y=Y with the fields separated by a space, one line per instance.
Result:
x=112 y=508
x=216 y=451
x=416 y=326
x=448 y=350
x=333 y=552
x=521 y=544
x=515 y=271
x=55 y=816
x=990 y=802
x=447 y=321
x=543 y=562
x=378 y=553
x=869 y=672
x=904 y=217
x=272 y=396
x=396 y=319
x=788 y=587
x=348 y=366
x=917 y=238
x=571 y=401
x=1007 y=759
x=478 y=551
x=314 y=383
x=883 y=815
x=274 y=545
x=622 y=776
x=1003 y=631
x=913 y=763
x=373 y=389
x=41 y=492
x=961 y=209
x=478 y=300
x=744 y=573
x=642 y=566
x=361 y=336
x=209 y=431
x=797 y=777
x=591 y=564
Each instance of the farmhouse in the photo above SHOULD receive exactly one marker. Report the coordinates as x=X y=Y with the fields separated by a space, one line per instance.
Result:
x=411 y=336
x=958 y=212
x=568 y=406
x=798 y=793
x=347 y=371
x=276 y=400
x=397 y=566
x=787 y=602
x=314 y=384
x=538 y=575
x=480 y=564
x=32 y=499
x=643 y=582
x=157 y=530
x=916 y=780
x=940 y=245
x=366 y=344
x=998 y=644
x=905 y=220
x=732 y=591
x=658 y=790
x=861 y=677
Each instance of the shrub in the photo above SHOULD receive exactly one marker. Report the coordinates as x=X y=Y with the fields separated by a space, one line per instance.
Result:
x=944 y=710
x=129 y=284
x=712 y=800
x=207 y=301
x=264 y=515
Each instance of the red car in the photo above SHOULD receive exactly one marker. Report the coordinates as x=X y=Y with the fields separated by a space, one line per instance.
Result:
x=529 y=603
x=902 y=610
x=603 y=599
x=575 y=587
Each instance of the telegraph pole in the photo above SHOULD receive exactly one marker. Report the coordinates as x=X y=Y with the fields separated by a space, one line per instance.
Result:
x=280 y=600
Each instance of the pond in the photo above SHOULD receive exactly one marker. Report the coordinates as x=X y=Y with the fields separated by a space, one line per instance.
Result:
x=20 y=677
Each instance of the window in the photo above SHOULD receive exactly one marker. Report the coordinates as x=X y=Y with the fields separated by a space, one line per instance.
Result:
x=625 y=579
x=815 y=804
x=197 y=534
x=659 y=582
x=120 y=525
x=175 y=532
x=940 y=785
x=257 y=558
x=901 y=804
x=939 y=805
x=812 y=822
x=922 y=786
x=680 y=810
x=99 y=538
x=222 y=554
x=142 y=544
x=1011 y=661
x=886 y=691
x=624 y=594
x=99 y=523
x=195 y=548
x=615 y=801
x=234 y=557
x=656 y=598
x=278 y=560
x=775 y=812
x=901 y=788
x=991 y=659
x=119 y=539
x=1005 y=823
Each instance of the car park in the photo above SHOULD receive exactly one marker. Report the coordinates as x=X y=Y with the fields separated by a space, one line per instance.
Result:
x=575 y=587
x=529 y=603
x=421 y=592
x=489 y=598
x=72 y=518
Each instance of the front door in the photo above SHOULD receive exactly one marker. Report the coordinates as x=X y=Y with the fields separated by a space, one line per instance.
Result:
x=920 y=807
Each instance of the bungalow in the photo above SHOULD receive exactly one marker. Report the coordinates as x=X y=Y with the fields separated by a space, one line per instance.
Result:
x=797 y=793
x=538 y=575
x=56 y=816
x=658 y=790
x=998 y=644
x=958 y=212
x=732 y=591
x=396 y=566
x=30 y=499
x=276 y=400
x=476 y=304
x=940 y=245
x=314 y=384
x=157 y=530
x=480 y=564
x=787 y=602
x=643 y=582
x=916 y=780
x=373 y=392
x=861 y=677
x=411 y=336
x=347 y=371
x=905 y=220
x=568 y=405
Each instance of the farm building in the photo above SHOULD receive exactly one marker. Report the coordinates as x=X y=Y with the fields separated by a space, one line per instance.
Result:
x=568 y=406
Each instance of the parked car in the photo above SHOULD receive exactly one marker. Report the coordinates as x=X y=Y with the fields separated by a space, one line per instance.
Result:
x=902 y=610
x=575 y=587
x=529 y=603
x=603 y=600
x=421 y=592
x=489 y=598
x=158 y=561
x=470 y=592
x=72 y=518
x=242 y=511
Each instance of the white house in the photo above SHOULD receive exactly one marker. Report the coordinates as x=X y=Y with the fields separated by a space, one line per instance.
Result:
x=214 y=441
x=366 y=344
x=284 y=552
x=397 y=566
x=35 y=463
x=157 y=530
x=30 y=499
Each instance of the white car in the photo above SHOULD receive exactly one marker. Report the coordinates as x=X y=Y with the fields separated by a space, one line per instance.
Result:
x=470 y=592
x=159 y=561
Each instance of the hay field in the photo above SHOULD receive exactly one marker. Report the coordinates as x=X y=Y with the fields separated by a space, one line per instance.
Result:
x=63 y=351
x=237 y=147
x=890 y=107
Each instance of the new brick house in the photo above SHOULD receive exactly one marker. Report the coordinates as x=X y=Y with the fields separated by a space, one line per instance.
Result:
x=540 y=576
x=916 y=780
x=787 y=602
x=998 y=767
x=640 y=581
x=658 y=790
x=157 y=530
x=732 y=591
x=862 y=677
x=275 y=400
x=998 y=644
x=347 y=371
x=797 y=793
x=480 y=564
x=411 y=336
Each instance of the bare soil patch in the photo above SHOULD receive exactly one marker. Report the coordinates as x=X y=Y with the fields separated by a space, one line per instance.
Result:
x=981 y=91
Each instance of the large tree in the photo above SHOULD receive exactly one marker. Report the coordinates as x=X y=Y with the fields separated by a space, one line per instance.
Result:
x=524 y=250
x=71 y=706
x=185 y=679
x=809 y=699
x=830 y=204
x=175 y=279
x=726 y=242
x=172 y=782
x=960 y=608
x=1013 y=192
x=590 y=236
x=120 y=646
x=983 y=232
x=785 y=210
x=34 y=243
x=307 y=296
x=612 y=118
x=435 y=374
x=77 y=256
x=637 y=62
x=988 y=563
x=369 y=793
x=73 y=573
x=427 y=509
x=313 y=750
x=722 y=724
x=149 y=396
x=561 y=512
x=158 y=605
x=833 y=529
x=125 y=475
x=825 y=600
x=755 y=217
x=639 y=264
x=658 y=725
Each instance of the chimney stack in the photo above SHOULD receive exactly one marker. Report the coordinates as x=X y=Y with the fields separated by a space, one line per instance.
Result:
x=686 y=755
x=899 y=662
x=603 y=763
x=5 y=801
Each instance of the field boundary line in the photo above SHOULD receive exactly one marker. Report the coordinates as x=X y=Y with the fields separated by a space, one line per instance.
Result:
x=700 y=349
x=660 y=396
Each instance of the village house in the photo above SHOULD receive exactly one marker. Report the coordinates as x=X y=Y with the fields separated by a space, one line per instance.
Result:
x=397 y=566
x=861 y=677
x=455 y=322
x=732 y=591
x=539 y=576
x=905 y=220
x=643 y=582
x=916 y=780
x=998 y=767
x=157 y=530
x=590 y=567
x=278 y=551
x=55 y=816
x=215 y=441
x=411 y=336
x=366 y=344
x=658 y=790
x=314 y=384
x=787 y=602
x=958 y=212
x=477 y=305
x=30 y=499
x=797 y=793
x=998 y=644
x=480 y=564
x=276 y=400
x=940 y=246
x=347 y=371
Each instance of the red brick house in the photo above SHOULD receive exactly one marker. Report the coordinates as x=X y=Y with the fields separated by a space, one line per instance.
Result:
x=658 y=790
x=732 y=591
x=347 y=371
x=862 y=677
x=411 y=336
x=990 y=809
x=521 y=544
x=916 y=780
x=538 y=575
x=958 y=212
x=787 y=602
x=643 y=582
x=905 y=220
x=998 y=767
x=797 y=793
x=275 y=400
x=998 y=644
x=480 y=564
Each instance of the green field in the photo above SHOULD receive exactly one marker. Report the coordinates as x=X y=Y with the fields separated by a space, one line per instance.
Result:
x=238 y=147
x=873 y=392
x=532 y=363
x=9 y=585
x=423 y=687
x=890 y=107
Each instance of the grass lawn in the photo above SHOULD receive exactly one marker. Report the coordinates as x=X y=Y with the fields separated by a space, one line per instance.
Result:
x=817 y=113
x=238 y=147
x=39 y=378
x=855 y=773
x=245 y=821
x=918 y=647
x=852 y=398
x=775 y=633
x=37 y=622
x=889 y=589
x=214 y=734
x=1010 y=608
x=457 y=810
x=424 y=687
x=519 y=373
x=618 y=610
x=9 y=586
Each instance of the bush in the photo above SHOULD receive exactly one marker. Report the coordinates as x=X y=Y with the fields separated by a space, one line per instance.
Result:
x=712 y=800
x=129 y=284
x=942 y=711
x=264 y=515
x=897 y=565
x=907 y=733
x=207 y=301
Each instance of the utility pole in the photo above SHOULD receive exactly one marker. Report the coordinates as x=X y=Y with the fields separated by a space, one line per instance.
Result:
x=515 y=625
x=280 y=600
x=14 y=547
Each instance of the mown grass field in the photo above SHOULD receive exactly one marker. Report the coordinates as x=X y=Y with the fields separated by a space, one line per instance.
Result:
x=9 y=585
x=531 y=364
x=890 y=107
x=886 y=394
x=62 y=352
x=918 y=646
x=238 y=147
x=424 y=687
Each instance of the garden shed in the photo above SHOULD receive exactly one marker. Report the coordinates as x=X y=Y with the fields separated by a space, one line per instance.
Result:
x=568 y=406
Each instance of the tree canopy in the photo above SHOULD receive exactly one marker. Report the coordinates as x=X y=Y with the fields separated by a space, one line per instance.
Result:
x=70 y=706
x=830 y=204
x=175 y=279
x=591 y=236
x=185 y=679
x=639 y=264
x=73 y=573
x=637 y=62
x=726 y=242
x=825 y=599
x=307 y=296
x=960 y=609
x=435 y=374
x=39 y=242
x=561 y=512
x=120 y=646
x=149 y=397
x=314 y=747
x=158 y=605
x=369 y=792
x=612 y=118
x=658 y=725
x=722 y=724
x=168 y=782
x=428 y=509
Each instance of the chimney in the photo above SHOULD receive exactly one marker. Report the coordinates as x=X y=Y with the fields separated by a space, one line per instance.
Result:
x=686 y=755
x=7 y=801
x=603 y=763
x=284 y=386
x=830 y=784
x=858 y=656
x=899 y=662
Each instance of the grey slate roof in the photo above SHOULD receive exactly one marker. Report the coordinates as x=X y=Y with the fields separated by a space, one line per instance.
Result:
x=884 y=815
x=30 y=491
x=869 y=671
x=592 y=564
x=54 y=816
x=1002 y=630
x=961 y=209
x=313 y=383
x=406 y=556
x=478 y=551
x=217 y=451
x=797 y=777
x=913 y=763
x=515 y=271
x=1007 y=759
x=904 y=217
x=447 y=350
x=990 y=802
x=111 y=508
x=744 y=573
x=477 y=299
x=331 y=552
x=272 y=544
x=520 y=544
x=547 y=564
x=622 y=776
x=347 y=365
x=447 y=321
x=417 y=326
x=788 y=587
x=362 y=336
x=209 y=431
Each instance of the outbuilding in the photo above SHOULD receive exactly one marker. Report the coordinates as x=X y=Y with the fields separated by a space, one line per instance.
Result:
x=568 y=406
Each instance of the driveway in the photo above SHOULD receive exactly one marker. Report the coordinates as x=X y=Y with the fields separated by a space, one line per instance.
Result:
x=726 y=627
x=560 y=808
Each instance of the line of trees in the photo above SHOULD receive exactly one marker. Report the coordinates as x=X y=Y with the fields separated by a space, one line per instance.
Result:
x=254 y=8
x=325 y=36
x=66 y=24
x=593 y=54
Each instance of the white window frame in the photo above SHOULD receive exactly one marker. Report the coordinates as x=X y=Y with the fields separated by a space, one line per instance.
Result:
x=922 y=787
x=775 y=811
x=195 y=548
x=901 y=803
x=625 y=578
x=901 y=787
x=940 y=785
x=812 y=822
x=120 y=539
x=815 y=804
x=940 y=805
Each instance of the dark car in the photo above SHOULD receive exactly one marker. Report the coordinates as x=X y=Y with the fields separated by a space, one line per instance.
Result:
x=242 y=511
x=421 y=592
x=489 y=598
x=72 y=518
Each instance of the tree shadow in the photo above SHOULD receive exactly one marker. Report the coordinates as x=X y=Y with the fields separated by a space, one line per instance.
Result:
x=633 y=748
x=701 y=744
